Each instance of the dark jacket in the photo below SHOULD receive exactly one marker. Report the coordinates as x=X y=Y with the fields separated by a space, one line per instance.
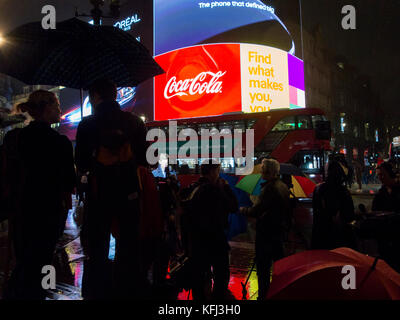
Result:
x=40 y=169
x=383 y=201
x=212 y=205
x=333 y=209
x=271 y=210
x=92 y=132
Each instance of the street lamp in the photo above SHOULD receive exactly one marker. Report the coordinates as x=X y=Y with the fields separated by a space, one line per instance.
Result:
x=2 y=40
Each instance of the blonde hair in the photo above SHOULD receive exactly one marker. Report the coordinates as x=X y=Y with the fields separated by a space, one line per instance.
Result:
x=37 y=103
x=271 y=166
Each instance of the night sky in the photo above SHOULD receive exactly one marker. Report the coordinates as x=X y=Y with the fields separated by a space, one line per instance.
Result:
x=373 y=47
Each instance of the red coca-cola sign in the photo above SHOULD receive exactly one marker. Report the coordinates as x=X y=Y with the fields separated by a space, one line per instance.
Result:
x=199 y=81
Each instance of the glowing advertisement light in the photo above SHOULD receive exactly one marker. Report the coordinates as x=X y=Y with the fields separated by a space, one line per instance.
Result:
x=182 y=23
x=214 y=79
x=124 y=96
x=126 y=24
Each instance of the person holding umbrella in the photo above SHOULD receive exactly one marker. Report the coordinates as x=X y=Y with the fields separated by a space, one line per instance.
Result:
x=113 y=189
x=271 y=211
x=37 y=161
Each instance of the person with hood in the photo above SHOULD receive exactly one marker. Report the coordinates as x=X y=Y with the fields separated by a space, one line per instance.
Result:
x=272 y=211
x=333 y=209
x=110 y=146
x=39 y=180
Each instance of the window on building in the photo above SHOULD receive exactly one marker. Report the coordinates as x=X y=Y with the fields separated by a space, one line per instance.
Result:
x=285 y=124
x=366 y=131
x=342 y=124
x=355 y=132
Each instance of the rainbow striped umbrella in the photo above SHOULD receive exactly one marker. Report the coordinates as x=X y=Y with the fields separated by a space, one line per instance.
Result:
x=303 y=187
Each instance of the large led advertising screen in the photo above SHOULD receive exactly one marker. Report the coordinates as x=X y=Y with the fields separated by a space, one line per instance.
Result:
x=190 y=37
x=214 y=79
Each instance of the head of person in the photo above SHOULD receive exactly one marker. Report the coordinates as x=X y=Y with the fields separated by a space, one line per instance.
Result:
x=386 y=174
x=210 y=171
x=270 y=169
x=42 y=106
x=336 y=172
x=102 y=90
x=163 y=161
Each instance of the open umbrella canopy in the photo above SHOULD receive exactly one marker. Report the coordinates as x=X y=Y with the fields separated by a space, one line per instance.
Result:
x=317 y=275
x=74 y=55
x=302 y=187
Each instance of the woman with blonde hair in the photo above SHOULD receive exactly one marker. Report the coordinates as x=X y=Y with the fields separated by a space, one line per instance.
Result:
x=39 y=179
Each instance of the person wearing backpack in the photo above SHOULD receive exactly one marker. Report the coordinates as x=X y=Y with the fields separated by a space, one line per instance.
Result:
x=110 y=146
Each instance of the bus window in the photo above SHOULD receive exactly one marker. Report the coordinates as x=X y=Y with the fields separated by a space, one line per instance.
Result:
x=250 y=123
x=207 y=126
x=303 y=122
x=225 y=128
x=310 y=161
x=228 y=165
x=239 y=125
x=316 y=118
x=187 y=163
x=285 y=124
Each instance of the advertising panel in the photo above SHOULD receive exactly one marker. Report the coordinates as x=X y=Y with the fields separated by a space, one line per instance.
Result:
x=214 y=79
x=166 y=28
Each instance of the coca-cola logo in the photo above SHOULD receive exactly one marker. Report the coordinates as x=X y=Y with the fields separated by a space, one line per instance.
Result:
x=205 y=82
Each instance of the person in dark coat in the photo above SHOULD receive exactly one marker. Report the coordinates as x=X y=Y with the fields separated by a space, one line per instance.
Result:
x=112 y=197
x=388 y=199
x=388 y=196
x=40 y=179
x=333 y=209
x=212 y=200
x=271 y=211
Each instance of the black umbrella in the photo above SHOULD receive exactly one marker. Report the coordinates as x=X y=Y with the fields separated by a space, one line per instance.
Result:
x=74 y=55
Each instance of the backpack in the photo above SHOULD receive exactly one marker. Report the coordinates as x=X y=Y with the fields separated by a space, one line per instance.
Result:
x=114 y=149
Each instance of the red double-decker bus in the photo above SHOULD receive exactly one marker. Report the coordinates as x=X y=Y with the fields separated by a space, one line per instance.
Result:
x=297 y=136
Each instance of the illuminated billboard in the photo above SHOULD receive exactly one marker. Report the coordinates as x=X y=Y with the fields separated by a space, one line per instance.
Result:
x=214 y=79
x=182 y=23
x=167 y=27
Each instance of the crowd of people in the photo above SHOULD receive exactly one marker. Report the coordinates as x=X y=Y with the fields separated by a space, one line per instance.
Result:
x=151 y=218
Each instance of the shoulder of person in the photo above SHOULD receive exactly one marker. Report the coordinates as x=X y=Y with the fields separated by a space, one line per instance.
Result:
x=320 y=188
x=86 y=122
x=64 y=140
x=10 y=135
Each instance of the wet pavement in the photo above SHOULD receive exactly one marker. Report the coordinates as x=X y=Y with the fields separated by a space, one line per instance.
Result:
x=69 y=258
x=69 y=253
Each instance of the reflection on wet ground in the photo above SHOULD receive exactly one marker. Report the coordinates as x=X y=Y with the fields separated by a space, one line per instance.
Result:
x=70 y=257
